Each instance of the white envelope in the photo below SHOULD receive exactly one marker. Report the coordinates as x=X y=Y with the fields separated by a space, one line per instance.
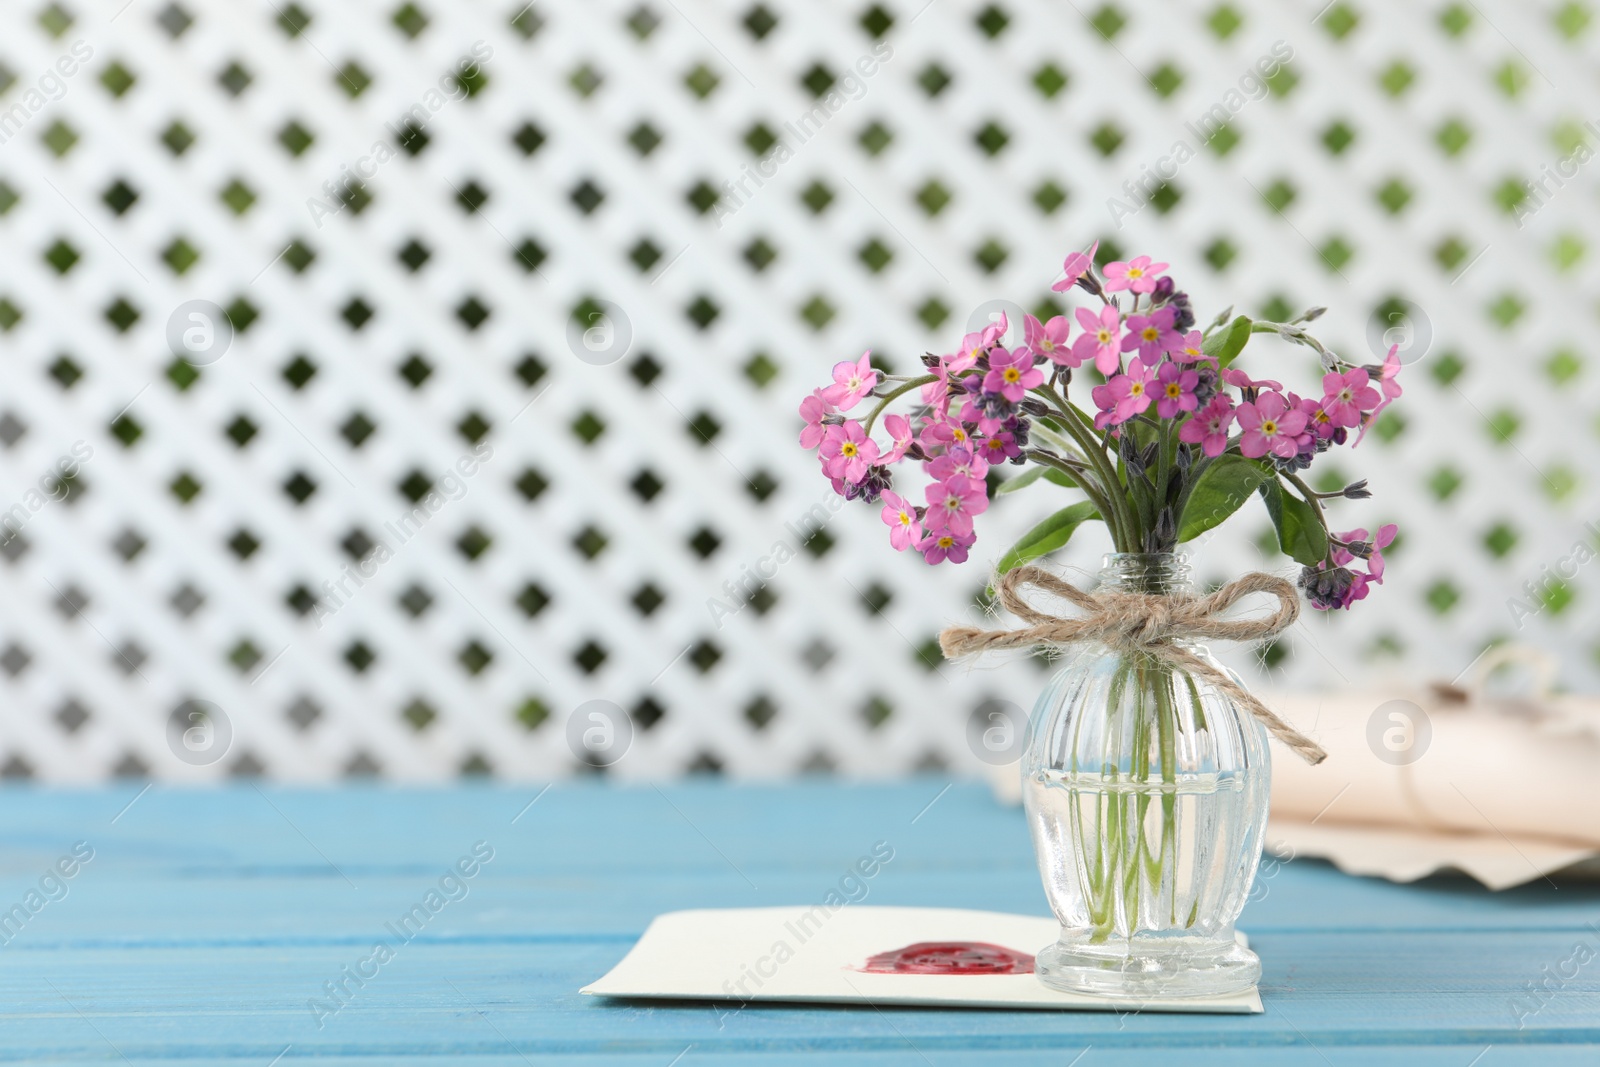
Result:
x=817 y=955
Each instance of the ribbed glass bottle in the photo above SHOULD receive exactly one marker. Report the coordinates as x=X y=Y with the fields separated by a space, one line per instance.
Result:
x=1146 y=790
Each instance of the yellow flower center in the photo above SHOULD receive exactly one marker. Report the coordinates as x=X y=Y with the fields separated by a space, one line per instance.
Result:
x=1149 y=333
x=1011 y=375
x=947 y=541
x=1173 y=390
x=1269 y=427
x=1103 y=336
x=1136 y=389
x=848 y=449
x=1136 y=272
x=905 y=519
x=958 y=434
x=1046 y=344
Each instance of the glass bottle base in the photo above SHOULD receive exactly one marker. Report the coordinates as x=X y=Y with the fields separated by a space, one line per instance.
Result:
x=1146 y=967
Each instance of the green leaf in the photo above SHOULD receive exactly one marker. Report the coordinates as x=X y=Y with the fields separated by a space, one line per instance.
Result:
x=1048 y=536
x=1049 y=430
x=1033 y=474
x=1300 y=535
x=1229 y=342
x=1224 y=485
x=1023 y=480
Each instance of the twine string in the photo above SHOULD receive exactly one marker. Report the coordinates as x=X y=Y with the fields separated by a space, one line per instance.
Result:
x=1142 y=622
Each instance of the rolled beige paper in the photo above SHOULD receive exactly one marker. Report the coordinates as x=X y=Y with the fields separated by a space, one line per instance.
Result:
x=1455 y=766
x=1405 y=855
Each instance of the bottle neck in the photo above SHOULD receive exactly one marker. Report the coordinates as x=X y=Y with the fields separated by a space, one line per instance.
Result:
x=1152 y=573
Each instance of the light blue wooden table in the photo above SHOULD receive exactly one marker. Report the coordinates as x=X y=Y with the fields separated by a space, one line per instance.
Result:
x=207 y=922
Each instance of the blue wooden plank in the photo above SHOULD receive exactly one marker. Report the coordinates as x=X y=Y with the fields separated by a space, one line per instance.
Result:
x=618 y=857
x=208 y=919
x=906 y=1056
x=1329 y=989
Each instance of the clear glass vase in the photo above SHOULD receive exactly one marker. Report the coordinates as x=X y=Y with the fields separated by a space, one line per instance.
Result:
x=1146 y=790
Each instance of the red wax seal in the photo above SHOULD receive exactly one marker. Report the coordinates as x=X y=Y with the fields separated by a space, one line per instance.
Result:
x=950 y=957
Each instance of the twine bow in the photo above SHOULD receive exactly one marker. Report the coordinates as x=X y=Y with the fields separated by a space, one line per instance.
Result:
x=1141 y=622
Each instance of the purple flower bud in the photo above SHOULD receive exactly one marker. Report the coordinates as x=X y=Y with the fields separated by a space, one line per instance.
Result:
x=1297 y=462
x=996 y=406
x=1166 y=530
x=871 y=487
x=1136 y=459
x=1184 y=319
x=1328 y=588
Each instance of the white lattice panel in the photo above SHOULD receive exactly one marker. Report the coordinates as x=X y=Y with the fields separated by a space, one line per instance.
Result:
x=985 y=143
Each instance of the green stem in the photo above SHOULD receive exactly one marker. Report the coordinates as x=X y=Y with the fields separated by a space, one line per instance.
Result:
x=1311 y=499
x=1109 y=862
x=1169 y=460
x=1134 y=857
x=926 y=379
x=1166 y=729
x=1163 y=464
x=1120 y=520
x=1196 y=468
x=1079 y=474
x=1143 y=498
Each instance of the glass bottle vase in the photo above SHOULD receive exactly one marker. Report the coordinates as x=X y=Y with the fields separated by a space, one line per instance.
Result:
x=1146 y=791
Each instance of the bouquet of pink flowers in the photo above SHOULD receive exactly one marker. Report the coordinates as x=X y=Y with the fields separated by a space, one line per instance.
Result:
x=1173 y=442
